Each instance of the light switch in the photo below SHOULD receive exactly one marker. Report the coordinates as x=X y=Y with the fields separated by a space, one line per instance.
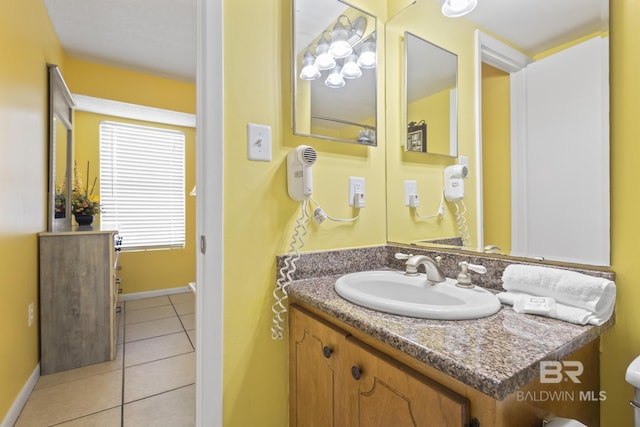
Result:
x=259 y=142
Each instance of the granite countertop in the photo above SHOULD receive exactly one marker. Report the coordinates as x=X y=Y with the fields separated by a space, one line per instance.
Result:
x=496 y=355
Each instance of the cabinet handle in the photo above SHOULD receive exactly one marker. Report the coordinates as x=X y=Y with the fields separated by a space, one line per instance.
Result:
x=326 y=350
x=356 y=373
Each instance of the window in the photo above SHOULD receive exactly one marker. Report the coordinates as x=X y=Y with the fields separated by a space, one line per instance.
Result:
x=142 y=185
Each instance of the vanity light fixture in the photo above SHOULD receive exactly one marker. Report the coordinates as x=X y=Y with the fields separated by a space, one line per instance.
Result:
x=309 y=70
x=336 y=51
x=350 y=69
x=324 y=60
x=340 y=47
x=457 y=8
x=334 y=79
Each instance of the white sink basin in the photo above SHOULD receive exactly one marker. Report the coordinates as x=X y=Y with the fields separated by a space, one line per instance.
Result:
x=393 y=292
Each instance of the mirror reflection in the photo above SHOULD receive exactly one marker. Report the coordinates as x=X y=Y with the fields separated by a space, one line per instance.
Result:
x=563 y=122
x=60 y=150
x=60 y=144
x=431 y=79
x=334 y=65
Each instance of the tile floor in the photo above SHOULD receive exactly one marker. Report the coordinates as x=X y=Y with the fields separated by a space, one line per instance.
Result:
x=150 y=383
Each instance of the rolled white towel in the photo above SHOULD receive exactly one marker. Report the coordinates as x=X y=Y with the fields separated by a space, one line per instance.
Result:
x=555 y=310
x=593 y=294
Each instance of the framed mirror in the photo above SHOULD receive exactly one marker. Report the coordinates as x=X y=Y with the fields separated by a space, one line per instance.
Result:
x=334 y=71
x=60 y=151
x=431 y=97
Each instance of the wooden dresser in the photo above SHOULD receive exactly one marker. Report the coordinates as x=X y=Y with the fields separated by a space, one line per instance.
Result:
x=78 y=298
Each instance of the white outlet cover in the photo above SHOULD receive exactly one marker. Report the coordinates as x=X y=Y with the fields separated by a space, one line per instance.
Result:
x=356 y=185
x=410 y=188
x=258 y=142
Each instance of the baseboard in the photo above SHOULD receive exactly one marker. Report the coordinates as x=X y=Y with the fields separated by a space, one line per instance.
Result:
x=18 y=404
x=156 y=293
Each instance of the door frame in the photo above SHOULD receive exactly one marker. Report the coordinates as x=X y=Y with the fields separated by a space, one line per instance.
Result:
x=209 y=212
x=499 y=55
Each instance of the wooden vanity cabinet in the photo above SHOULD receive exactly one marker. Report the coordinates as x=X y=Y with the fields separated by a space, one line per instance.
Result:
x=78 y=297
x=396 y=389
x=337 y=380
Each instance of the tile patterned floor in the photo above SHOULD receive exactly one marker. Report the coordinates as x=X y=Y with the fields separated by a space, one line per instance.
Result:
x=150 y=383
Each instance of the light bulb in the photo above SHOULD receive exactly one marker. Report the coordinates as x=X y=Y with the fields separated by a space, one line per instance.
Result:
x=324 y=61
x=367 y=58
x=340 y=47
x=309 y=70
x=334 y=79
x=350 y=69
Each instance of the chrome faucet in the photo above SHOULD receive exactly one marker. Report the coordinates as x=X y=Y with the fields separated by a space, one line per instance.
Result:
x=434 y=274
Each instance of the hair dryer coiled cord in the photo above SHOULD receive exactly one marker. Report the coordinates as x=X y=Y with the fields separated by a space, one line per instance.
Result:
x=285 y=273
x=461 y=220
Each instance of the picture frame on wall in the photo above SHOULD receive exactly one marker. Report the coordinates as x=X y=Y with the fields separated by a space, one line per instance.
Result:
x=417 y=137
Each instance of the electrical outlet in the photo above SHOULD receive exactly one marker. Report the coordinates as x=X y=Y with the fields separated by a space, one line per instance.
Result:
x=410 y=189
x=31 y=315
x=356 y=185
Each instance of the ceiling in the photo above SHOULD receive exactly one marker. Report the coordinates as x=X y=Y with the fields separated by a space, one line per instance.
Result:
x=159 y=36
x=538 y=25
x=151 y=36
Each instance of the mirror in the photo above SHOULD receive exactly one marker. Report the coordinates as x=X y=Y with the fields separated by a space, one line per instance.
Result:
x=334 y=69
x=431 y=93
x=60 y=151
x=515 y=26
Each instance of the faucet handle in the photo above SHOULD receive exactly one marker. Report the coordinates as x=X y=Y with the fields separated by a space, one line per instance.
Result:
x=400 y=255
x=480 y=269
x=464 y=279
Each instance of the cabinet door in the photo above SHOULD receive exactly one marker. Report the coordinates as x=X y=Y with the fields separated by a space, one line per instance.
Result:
x=315 y=354
x=383 y=392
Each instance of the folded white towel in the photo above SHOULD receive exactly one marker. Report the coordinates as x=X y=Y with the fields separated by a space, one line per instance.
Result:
x=558 y=311
x=593 y=294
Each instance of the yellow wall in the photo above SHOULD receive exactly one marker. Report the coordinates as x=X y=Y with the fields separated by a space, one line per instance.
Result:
x=27 y=43
x=425 y=20
x=434 y=110
x=259 y=215
x=101 y=81
x=622 y=344
x=496 y=158
x=143 y=270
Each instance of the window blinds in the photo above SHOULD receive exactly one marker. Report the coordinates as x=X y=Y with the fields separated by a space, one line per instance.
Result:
x=142 y=185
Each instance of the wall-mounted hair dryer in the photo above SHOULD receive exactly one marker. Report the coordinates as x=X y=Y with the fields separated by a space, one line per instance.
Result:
x=454 y=182
x=299 y=177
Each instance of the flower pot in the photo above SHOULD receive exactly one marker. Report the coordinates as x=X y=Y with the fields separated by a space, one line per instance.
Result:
x=83 y=219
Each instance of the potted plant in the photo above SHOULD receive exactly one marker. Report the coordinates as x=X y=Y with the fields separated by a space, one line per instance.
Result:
x=84 y=204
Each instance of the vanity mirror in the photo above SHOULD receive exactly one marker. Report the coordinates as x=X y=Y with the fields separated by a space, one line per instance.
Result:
x=431 y=94
x=566 y=193
x=60 y=151
x=334 y=71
